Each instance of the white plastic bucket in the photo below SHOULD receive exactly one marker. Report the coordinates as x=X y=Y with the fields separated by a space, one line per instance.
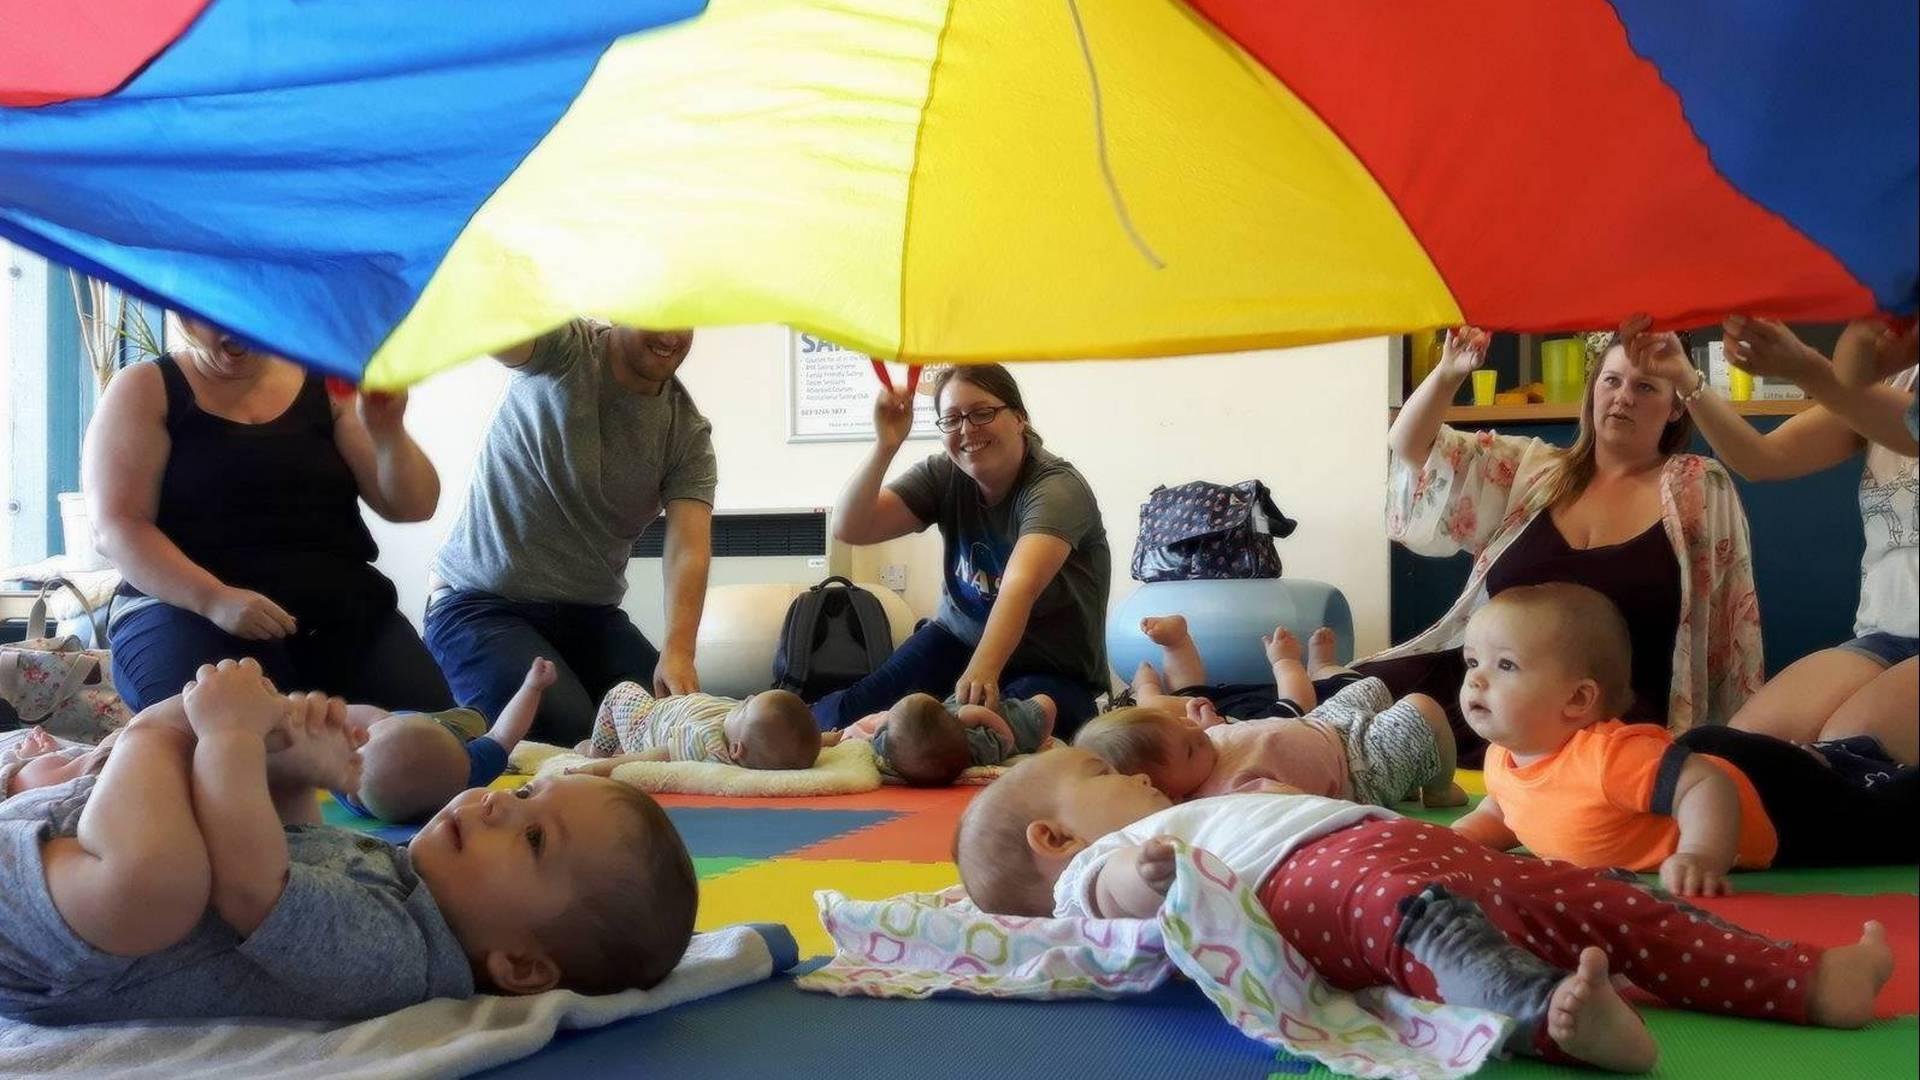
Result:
x=76 y=528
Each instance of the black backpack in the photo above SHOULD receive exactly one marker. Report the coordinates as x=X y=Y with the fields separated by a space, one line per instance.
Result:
x=835 y=634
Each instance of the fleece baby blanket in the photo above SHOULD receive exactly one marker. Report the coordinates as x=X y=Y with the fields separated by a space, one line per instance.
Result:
x=1211 y=929
x=435 y=1038
x=840 y=770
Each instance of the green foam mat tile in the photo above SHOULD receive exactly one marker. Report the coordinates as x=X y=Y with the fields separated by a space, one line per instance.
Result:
x=1841 y=880
x=1694 y=1046
x=1442 y=816
x=712 y=866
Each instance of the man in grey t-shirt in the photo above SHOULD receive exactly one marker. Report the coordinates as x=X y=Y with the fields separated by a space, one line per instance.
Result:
x=594 y=438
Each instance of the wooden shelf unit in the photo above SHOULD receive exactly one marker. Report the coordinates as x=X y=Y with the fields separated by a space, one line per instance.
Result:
x=1821 y=336
x=1552 y=411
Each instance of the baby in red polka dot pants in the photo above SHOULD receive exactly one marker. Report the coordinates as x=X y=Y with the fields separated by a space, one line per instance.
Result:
x=1422 y=909
x=1372 y=899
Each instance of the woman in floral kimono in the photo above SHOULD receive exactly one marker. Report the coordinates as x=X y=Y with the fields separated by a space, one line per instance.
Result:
x=1659 y=532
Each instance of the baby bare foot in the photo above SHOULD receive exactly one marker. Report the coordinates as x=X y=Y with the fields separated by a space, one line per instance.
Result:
x=36 y=743
x=327 y=760
x=1322 y=650
x=1281 y=645
x=1847 y=979
x=1146 y=683
x=1166 y=631
x=1588 y=1020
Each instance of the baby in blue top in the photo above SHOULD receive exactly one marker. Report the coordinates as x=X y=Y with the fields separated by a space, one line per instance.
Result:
x=927 y=742
x=415 y=762
x=178 y=892
x=412 y=763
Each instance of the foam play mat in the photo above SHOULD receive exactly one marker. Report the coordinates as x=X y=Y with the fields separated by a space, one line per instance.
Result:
x=760 y=860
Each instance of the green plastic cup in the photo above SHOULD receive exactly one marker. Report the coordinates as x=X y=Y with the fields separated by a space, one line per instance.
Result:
x=1563 y=363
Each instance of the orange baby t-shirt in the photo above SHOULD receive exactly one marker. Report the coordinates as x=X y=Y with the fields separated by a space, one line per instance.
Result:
x=1605 y=799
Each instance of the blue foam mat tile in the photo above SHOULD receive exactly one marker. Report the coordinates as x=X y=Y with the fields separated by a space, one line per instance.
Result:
x=776 y=1029
x=762 y=834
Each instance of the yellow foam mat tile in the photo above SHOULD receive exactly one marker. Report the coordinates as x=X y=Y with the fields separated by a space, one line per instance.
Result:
x=781 y=890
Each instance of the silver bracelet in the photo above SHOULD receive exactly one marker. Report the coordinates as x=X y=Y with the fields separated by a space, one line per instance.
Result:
x=1699 y=387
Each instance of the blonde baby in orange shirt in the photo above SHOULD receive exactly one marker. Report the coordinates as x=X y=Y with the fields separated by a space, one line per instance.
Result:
x=1548 y=670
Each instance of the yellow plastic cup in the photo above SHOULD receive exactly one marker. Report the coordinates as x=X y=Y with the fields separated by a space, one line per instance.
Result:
x=1485 y=383
x=1739 y=384
x=1420 y=357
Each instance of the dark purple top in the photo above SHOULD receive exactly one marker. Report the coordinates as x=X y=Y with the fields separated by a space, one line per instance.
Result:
x=1640 y=576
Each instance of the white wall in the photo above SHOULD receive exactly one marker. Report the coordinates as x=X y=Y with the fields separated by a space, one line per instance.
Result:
x=1311 y=422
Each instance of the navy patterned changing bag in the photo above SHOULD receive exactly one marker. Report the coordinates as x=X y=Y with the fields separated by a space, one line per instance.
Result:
x=1202 y=530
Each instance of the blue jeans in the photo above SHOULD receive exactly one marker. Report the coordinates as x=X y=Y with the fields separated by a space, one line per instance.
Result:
x=931 y=662
x=1883 y=648
x=485 y=643
x=157 y=648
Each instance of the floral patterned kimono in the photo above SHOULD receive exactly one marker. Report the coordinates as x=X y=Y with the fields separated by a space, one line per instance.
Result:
x=1478 y=491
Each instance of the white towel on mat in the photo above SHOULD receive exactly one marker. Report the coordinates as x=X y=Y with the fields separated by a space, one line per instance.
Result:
x=445 y=1037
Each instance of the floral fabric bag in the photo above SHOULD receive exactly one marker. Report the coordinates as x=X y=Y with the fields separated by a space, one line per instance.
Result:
x=58 y=684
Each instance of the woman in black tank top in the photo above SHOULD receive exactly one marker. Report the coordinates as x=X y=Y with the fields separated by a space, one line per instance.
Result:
x=226 y=486
x=1641 y=577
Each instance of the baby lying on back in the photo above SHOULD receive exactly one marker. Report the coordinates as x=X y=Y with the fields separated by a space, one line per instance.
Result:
x=773 y=729
x=417 y=762
x=168 y=887
x=1359 y=745
x=1372 y=899
x=929 y=743
x=412 y=763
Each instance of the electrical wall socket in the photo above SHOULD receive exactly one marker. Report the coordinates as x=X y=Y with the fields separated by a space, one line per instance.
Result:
x=894 y=576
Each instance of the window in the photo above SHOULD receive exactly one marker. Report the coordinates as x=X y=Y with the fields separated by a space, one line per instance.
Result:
x=40 y=414
x=47 y=395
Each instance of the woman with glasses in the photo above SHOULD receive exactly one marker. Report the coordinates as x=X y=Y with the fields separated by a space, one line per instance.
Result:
x=1023 y=603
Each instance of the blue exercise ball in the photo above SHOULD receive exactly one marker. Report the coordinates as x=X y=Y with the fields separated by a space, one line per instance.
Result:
x=1227 y=619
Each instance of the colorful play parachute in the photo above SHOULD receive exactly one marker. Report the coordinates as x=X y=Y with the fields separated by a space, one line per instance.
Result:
x=384 y=189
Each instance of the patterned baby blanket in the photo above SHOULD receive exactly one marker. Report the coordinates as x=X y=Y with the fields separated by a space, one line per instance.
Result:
x=1212 y=929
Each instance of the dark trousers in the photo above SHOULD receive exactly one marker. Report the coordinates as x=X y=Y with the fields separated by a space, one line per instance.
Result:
x=157 y=648
x=931 y=662
x=1258 y=701
x=485 y=643
x=1822 y=816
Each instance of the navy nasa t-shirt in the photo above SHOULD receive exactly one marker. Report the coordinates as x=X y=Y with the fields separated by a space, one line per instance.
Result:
x=1066 y=632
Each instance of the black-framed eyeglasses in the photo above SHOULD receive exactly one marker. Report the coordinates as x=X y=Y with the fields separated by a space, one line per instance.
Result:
x=979 y=417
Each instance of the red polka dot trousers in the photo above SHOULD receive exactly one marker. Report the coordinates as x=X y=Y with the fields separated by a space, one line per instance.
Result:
x=1341 y=901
